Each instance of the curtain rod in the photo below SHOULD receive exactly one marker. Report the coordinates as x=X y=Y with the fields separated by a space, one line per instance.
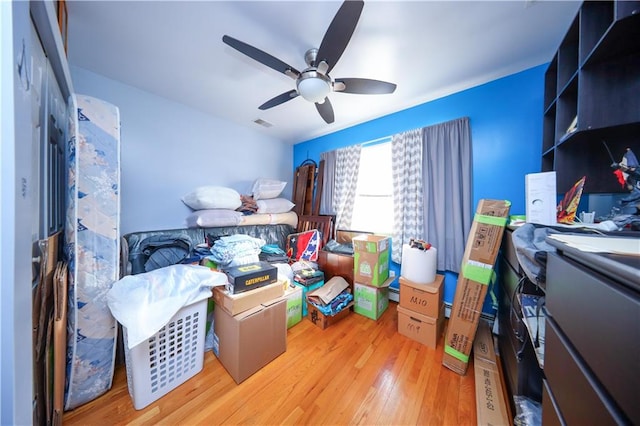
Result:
x=377 y=141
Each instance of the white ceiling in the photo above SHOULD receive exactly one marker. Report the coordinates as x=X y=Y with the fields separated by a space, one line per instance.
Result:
x=428 y=48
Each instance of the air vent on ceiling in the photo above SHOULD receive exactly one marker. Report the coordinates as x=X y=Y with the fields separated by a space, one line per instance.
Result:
x=262 y=123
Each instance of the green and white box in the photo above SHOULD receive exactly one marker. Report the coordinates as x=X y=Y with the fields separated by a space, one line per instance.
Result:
x=371 y=259
x=293 y=294
x=371 y=301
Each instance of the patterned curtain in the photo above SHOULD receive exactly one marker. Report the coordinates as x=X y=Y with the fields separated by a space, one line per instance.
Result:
x=406 y=163
x=447 y=167
x=346 y=180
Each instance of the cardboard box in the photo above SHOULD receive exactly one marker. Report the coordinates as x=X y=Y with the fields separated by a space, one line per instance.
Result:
x=421 y=328
x=293 y=295
x=540 y=190
x=237 y=303
x=425 y=299
x=323 y=321
x=324 y=295
x=475 y=275
x=371 y=259
x=250 y=276
x=491 y=404
x=371 y=301
x=246 y=342
x=305 y=290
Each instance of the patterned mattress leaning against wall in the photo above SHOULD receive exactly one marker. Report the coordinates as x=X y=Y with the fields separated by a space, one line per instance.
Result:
x=92 y=245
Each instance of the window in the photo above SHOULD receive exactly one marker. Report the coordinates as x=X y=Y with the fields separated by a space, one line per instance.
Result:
x=373 y=205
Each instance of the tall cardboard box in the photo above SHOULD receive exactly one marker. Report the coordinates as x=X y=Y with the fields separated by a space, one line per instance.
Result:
x=475 y=275
x=246 y=342
x=491 y=404
x=371 y=259
x=425 y=299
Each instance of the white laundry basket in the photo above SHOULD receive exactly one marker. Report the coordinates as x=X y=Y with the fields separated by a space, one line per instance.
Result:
x=169 y=358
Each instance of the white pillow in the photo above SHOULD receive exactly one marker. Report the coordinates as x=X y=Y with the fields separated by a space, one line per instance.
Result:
x=264 y=189
x=212 y=197
x=274 y=205
x=213 y=217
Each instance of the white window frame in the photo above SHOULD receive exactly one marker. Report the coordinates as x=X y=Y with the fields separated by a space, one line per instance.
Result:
x=373 y=203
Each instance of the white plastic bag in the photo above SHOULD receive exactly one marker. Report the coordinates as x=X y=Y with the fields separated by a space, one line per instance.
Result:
x=144 y=303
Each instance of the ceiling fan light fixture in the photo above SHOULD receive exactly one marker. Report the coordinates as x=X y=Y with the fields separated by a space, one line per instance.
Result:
x=313 y=86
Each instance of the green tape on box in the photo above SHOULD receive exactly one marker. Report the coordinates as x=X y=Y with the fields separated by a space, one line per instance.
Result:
x=490 y=220
x=456 y=354
x=477 y=273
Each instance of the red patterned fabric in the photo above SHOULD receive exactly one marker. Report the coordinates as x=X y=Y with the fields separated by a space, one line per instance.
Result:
x=303 y=245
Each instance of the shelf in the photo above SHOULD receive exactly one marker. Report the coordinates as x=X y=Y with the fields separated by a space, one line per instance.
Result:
x=551 y=83
x=549 y=129
x=628 y=8
x=621 y=39
x=613 y=90
x=597 y=84
x=584 y=154
x=567 y=108
x=595 y=19
x=568 y=54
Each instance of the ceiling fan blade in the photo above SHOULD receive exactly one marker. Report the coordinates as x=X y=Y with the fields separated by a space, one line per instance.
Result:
x=280 y=99
x=363 y=86
x=261 y=56
x=326 y=111
x=339 y=33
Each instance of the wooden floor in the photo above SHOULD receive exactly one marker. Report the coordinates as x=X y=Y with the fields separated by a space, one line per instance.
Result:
x=357 y=371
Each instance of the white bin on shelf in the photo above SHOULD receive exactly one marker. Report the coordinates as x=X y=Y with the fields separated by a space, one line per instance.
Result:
x=169 y=358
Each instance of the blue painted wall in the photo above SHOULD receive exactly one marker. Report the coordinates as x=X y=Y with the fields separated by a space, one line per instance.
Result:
x=506 y=130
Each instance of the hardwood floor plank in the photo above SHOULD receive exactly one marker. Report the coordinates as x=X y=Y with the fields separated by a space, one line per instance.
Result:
x=358 y=371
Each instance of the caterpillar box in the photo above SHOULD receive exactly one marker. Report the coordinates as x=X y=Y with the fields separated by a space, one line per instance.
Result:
x=250 y=276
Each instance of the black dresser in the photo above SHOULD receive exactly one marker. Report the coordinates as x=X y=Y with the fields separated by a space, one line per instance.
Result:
x=592 y=342
x=522 y=369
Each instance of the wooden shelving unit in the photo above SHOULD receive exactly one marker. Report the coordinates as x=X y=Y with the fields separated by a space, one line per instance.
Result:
x=594 y=77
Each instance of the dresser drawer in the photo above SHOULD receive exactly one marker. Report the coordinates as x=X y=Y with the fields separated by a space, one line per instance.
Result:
x=579 y=396
x=601 y=319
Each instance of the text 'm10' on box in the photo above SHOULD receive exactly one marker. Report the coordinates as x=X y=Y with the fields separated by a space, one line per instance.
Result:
x=371 y=254
x=425 y=299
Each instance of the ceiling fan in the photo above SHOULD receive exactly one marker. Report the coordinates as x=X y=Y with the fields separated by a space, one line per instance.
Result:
x=314 y=82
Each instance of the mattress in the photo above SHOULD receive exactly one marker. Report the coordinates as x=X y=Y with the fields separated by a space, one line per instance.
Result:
x=92 y=245
x=288 y=218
